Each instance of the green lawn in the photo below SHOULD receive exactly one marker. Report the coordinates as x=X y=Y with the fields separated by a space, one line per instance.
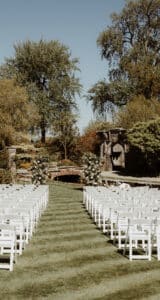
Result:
x=69 y=258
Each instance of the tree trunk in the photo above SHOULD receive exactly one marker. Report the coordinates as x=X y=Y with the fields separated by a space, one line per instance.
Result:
x=43 y=135
x=65 y=149
x=43 y=132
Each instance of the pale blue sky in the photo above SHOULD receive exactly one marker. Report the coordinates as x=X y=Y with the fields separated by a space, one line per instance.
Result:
x=75 y=23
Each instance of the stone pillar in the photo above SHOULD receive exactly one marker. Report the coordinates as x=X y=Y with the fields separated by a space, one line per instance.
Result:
x=112 y=150
x=11 y=162
x=105 y=156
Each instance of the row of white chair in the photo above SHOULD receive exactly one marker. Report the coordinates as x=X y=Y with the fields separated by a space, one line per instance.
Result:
x=20 y=209
x=129 y=216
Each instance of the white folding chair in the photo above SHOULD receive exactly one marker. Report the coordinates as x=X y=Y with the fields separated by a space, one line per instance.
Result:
x=139 y=238
x=18 y=224
x=121 y=228
x=7 y=245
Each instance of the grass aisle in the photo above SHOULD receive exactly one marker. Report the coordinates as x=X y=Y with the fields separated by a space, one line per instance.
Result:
x=69 y=258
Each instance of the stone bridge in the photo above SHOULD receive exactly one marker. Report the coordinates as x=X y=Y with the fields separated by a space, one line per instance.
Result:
x=65 y=171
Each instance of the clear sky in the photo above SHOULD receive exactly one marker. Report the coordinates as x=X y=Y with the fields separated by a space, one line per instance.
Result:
x=75 y=23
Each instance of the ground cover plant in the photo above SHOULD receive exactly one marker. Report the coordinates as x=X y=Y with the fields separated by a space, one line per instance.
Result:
x=69 y=258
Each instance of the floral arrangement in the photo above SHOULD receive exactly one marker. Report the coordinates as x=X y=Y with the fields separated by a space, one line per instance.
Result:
x=39 y=171
x=91 y=169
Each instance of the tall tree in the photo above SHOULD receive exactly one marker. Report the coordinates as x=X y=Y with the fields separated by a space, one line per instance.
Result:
x=16 y=113
x=139 y=109
x=102 y=104
x=49 y=73
x=67 y=132
x=131 y=46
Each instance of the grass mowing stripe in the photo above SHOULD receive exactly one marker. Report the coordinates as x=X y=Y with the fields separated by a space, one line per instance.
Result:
x=66 y=246
x=87 y=274
x=156 y=296
x=104 y=289
x=70 y=221
x=70 y=218
x=78 y=255
x=72 y=211
x=68 y=228
x=51 y=279
x=83 y=286
x=150 y=288
x=77 y=231
x=68 y=236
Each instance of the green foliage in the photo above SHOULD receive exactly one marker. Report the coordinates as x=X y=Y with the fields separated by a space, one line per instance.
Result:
x=66 y=162
x=90 y=140
x=139 y=109
x=47 y=70
x=15 y=111
x=98 y=125
x=144 y=138
x=66 y=134
x=131 y=47
x=91 y=169
x=100 y=97
x=39 y=171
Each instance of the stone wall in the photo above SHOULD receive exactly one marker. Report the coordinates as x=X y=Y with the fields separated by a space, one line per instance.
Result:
x=112 y=149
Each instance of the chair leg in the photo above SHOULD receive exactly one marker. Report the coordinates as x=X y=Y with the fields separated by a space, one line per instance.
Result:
x=11 y=258
x=130 y=249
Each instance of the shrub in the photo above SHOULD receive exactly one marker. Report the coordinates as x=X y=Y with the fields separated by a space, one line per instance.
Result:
x=66 y=162
x=5 y=176
x=25 y=165
x=144 y=140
